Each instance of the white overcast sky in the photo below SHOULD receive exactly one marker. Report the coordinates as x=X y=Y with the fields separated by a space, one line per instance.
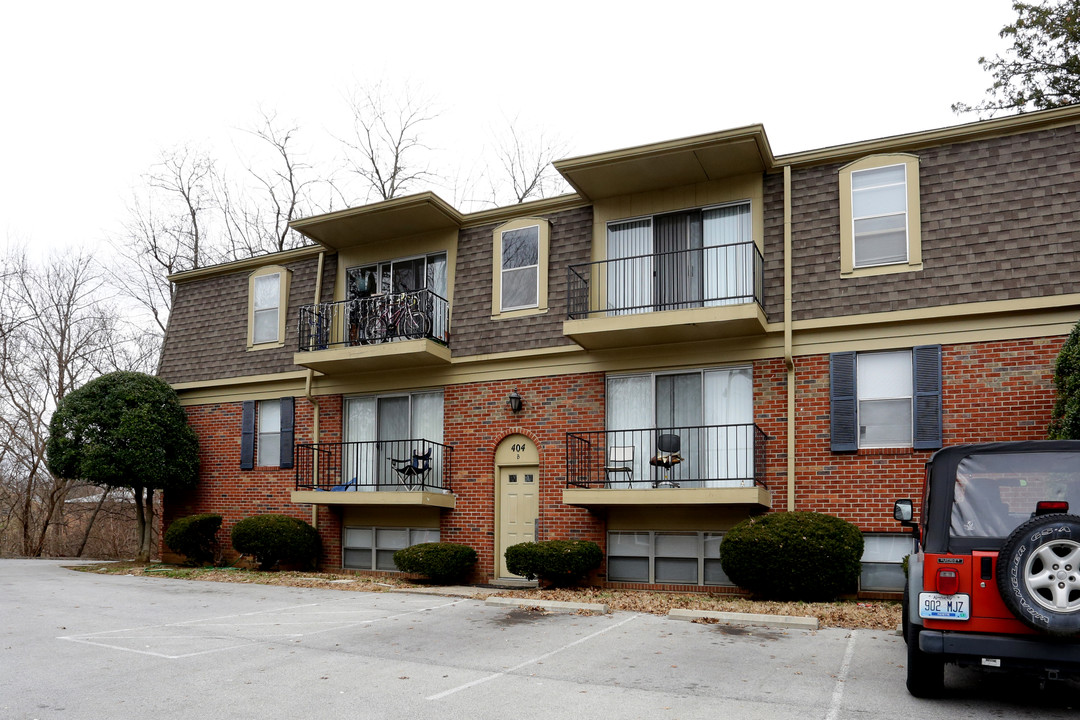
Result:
x=92 y=92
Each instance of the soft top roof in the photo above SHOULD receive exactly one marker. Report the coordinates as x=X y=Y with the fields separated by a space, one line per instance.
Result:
x=942 y=476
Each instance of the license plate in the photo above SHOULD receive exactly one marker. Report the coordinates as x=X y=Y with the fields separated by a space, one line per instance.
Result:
x=944 y=607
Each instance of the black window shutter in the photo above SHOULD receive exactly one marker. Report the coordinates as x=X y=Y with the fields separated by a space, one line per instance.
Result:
x=843 y=430
x=247 y=435
x=926 y=378
x=287 y=406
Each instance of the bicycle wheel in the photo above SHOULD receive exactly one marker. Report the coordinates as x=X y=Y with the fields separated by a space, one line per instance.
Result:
x=377 y=329
x=413 y=323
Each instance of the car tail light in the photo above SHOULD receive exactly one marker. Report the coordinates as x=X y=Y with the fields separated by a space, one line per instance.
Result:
x=948 y=582
x=1045 y=507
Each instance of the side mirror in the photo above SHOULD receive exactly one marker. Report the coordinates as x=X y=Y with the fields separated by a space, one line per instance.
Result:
x=903 y=511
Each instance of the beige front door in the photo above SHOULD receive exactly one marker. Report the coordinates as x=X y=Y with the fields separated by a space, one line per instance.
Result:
x=518 y=508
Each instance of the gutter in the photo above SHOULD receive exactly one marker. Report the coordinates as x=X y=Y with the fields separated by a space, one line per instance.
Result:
x=311 y=398
x=789 y=361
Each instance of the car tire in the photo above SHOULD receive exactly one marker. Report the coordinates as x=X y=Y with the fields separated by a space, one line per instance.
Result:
x=1038 y=573
x=925 y=672
x=905 y=607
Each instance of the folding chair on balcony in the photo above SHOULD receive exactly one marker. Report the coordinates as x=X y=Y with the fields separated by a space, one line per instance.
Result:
x=667 y=456
x=620 y=460
x=413 y=471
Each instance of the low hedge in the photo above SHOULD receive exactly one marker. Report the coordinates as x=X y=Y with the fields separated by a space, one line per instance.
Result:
x=194 y=537
x=274 y=539
x=441 y=562
x=563 y=563
x=793 y=556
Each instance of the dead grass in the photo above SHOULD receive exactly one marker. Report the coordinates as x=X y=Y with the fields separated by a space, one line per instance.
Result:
x=875 y=615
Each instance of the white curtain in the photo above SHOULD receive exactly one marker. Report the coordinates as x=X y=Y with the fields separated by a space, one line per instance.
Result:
x=436 y=283
x=630 y=282
x=427 y=424
x=729 y=451
x=729 y=256
x=358 y=462
x=629 y=408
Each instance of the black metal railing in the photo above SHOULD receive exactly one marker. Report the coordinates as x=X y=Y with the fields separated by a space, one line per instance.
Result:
x=381 y=318
x=375 y=465
x=707 y=456
x=703 y=277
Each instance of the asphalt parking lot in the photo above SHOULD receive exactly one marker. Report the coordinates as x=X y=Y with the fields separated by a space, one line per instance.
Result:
x=76 y=645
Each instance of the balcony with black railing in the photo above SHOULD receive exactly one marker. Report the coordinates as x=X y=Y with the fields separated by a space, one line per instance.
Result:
x=378 y=332
x=701 y=293
x=375 y=472
x=687 y=465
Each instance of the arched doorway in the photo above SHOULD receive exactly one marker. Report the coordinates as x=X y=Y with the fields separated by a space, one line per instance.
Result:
x=517 y=495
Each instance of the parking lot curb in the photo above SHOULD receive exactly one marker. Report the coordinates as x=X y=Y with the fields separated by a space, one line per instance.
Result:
x=548 y=604
x=730 y=618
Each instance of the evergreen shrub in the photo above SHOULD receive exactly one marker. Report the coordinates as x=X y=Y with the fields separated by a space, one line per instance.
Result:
x=563 y=563
x=805 y=556
x=194 y=537
x=274 y=539
x=441 y=562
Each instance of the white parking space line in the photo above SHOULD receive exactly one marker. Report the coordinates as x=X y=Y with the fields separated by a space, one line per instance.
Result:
x=241 y=624
x=841 y=678
x=539 y=658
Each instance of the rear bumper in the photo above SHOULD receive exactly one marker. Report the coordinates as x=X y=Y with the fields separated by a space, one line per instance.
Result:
x=1038 y=652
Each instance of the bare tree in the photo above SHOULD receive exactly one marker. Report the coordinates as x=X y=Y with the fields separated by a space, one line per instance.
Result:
x=257 y=221
x=525 y=158
x=386 y=150
x=56 y=331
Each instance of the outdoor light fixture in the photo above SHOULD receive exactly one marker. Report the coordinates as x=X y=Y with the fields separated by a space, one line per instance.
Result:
x=515 y=401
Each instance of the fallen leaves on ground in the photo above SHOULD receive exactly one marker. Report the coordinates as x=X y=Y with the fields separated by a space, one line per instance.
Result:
x=874 y=615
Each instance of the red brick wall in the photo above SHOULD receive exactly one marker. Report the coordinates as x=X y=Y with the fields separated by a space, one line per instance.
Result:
x=991 y=391
x=478 y=418
x=236 y=494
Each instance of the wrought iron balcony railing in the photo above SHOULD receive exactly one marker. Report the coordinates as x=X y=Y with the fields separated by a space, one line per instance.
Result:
x=374 y=466
x=704 y=456
x=381 y=318
x=702 y=277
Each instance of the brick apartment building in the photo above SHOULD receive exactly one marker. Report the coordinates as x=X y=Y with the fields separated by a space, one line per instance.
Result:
x=702 y=331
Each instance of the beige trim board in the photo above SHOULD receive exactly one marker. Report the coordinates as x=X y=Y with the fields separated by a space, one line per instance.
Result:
x=753 y=496
x=978 y=130
x=381 y=499
x=252 y=263
x=559 y=203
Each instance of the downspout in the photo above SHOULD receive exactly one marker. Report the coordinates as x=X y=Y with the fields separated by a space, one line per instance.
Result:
x=789 y=361
x=312 y=399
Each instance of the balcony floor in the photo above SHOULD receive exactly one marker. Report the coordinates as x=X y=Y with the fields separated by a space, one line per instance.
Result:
x=612 y=497
x=401 y=499
x=379 y=356
x=668 y=326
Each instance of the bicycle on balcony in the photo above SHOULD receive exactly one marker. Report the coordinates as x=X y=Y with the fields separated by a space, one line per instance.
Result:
x=392 y=316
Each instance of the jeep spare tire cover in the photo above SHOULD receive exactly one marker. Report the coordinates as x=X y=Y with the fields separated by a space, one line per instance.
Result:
x=1038 y=573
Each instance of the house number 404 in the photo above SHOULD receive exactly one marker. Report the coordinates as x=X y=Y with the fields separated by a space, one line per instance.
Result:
x=518 y=447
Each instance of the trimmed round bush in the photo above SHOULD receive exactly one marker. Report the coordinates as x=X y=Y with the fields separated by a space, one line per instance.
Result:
x=441 y=562
x=274 y=539
x=793 y=556
x=194 y=537
x=562 y=563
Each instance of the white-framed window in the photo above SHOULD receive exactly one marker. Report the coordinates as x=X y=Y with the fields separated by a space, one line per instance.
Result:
x=383 y=428
x=692 y=258
x=879 y=216
x=373 y=548
x=666 y=557
x=710 y=410
x=266 y=308
x=268 y=444
x=884 y=382
x=520 y=255
x=882 y=559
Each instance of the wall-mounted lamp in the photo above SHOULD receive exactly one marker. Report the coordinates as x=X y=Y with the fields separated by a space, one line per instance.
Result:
x=515 y=402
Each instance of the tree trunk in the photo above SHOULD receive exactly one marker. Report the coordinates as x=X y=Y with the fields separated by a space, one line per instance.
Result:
x=146 y=548
x=140 y=523
x=93 y=516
